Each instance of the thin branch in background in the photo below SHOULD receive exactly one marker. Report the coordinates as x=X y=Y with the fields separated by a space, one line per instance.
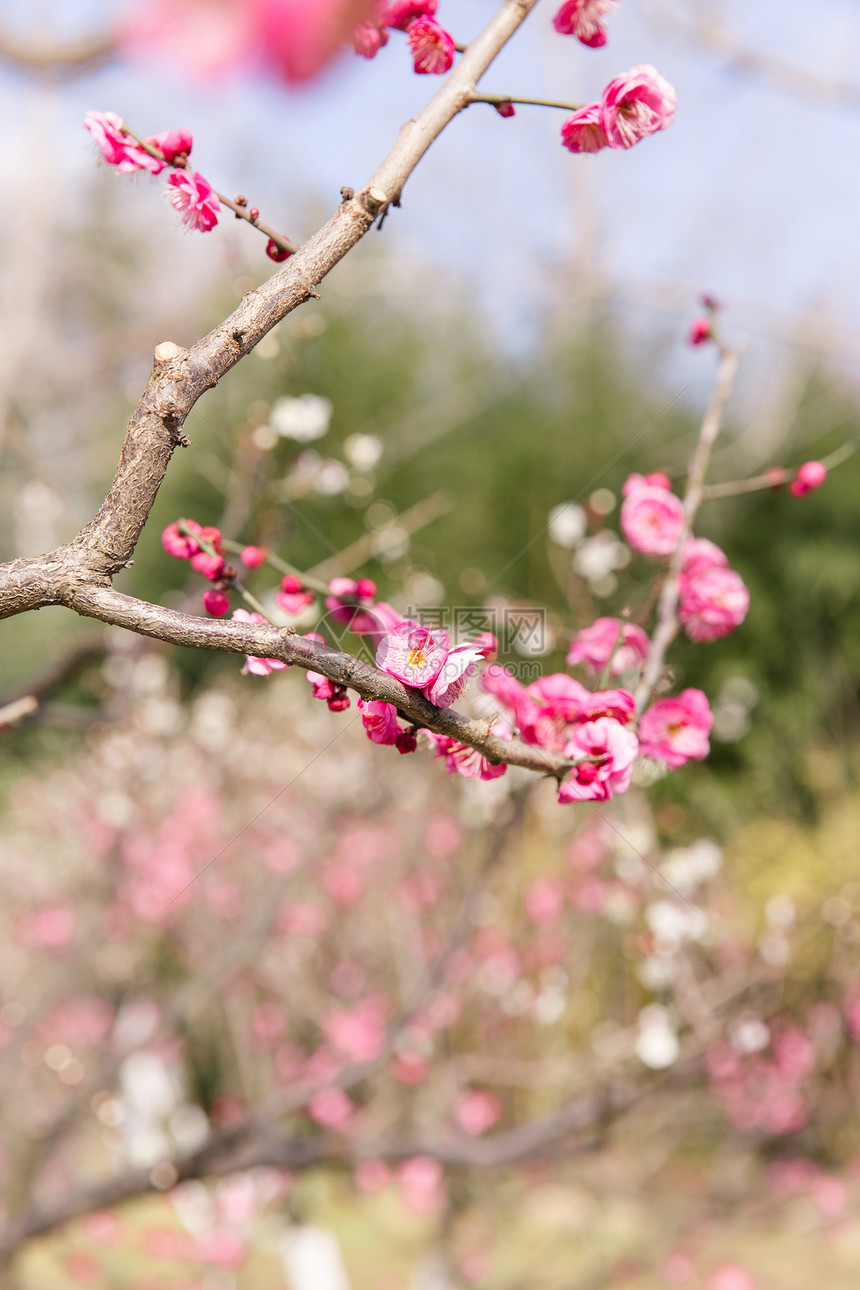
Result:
x=667 y=602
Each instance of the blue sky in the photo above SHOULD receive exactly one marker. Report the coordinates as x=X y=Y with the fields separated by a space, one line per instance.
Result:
x=752 y=194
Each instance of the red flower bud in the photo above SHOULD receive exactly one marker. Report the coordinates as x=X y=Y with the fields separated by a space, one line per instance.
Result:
x=216 y=603
x=275 y=252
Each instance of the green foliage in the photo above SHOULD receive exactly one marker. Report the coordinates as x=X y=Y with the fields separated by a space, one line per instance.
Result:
x=507 y=441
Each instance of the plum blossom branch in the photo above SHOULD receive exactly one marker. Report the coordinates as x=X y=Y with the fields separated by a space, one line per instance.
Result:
x=239 y=207
x=667 y=603
x=281 y=643
x=772 y=478
x=499 y=100
x=179 y=376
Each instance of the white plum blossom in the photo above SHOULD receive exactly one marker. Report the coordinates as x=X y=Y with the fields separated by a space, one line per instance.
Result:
x=304 y=418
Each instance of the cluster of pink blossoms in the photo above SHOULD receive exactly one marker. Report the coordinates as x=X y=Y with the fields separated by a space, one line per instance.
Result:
x=713 y=597
x=594 y=728
x=598 y=731
x=760 y=1089
x=188 y=191
x=201 y=546
x=431 y=46
x=292 y=40
x=632 y=106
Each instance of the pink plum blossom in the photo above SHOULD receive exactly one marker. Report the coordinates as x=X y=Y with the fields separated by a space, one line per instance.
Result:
x=368 y=38
x=652 y=518
x=400 y=13
x=487 y=644
x=583 y=132
x=636 y=104
x=180 y=545
x=222 y=1248
x=83 y=1266
x=511 y=696
x=117 y=147
x=810 y=475
x=413 y=653
x=713 y=603
x=49 y=928
x=582 y=18
x=432 y=47
x=461 y=759
x=457 y=670
x=206 y=535
x=376 y=620
x=544 y=901
x=676 y=730
x=293 y=596
x=292 y=39
x=636 y=481
x=699 y=554
x=350 y=601
x=612 y=750
x=208 y=566
x=560 y=702
x=731 y=1276
x=830 y=1196
x=505 y=109
x=618 y=704
x=359 y=1035
x=301 y=918
x=298 y=39
x=380 y=720
x=420 y=1183
x=331 y=1108
x=193 y=197
x=371 y=1176
x=79 y=1023
x=478 y=1111
x=329 y=691
x=560 y=695
x=172 y=144
x=625 y=643
x=200 y=38
x=257 y=666
x=700 y=331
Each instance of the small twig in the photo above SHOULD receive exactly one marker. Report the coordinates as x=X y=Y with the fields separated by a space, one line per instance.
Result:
x=769 y=480
x=667 y=604
x=375 y=543
x=17 y=711
x=498 y=100
x=240 y=210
